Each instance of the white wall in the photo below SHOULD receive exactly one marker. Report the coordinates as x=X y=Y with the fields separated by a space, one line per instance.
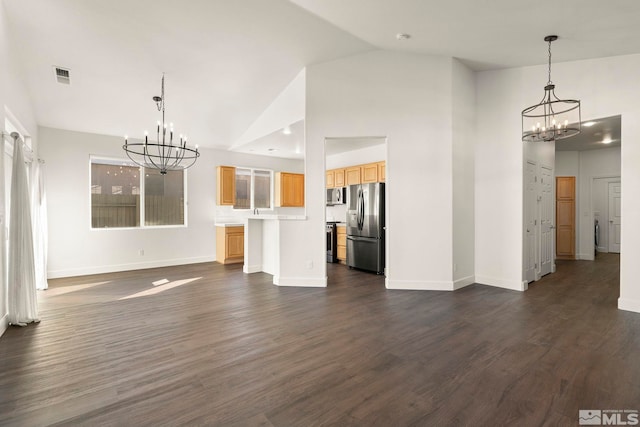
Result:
x=606 y=87
x=406 y=98
x=464 y=122
x=567 y=163
x=76 y=249
x=15 y=98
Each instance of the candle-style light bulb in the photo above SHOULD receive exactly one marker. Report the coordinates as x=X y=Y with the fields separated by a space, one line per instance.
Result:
x=125 y=140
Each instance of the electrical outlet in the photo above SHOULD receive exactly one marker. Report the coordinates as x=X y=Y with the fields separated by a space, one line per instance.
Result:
x=309 y=264
x=141 y=252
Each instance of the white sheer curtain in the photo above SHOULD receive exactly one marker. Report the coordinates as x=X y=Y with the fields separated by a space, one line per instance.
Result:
x=40 y=231
x=22 y=302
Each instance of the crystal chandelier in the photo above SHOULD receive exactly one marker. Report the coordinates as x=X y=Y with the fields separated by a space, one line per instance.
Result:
x=552 y=118
x=161 y=154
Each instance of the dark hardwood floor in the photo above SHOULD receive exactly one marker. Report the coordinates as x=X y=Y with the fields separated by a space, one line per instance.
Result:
x=232 y=349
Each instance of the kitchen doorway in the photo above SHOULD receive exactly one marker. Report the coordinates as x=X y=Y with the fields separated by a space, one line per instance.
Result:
x=355 y=208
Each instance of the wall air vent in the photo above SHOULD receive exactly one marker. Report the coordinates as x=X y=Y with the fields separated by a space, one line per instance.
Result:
x=63 y=75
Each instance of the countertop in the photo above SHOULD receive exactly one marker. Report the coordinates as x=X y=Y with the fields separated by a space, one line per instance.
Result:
x=230 y=224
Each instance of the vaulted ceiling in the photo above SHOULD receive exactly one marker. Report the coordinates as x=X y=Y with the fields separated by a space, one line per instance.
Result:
x=226 y=61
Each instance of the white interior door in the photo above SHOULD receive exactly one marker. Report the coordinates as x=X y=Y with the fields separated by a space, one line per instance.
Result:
x=614 y=216
x=530 y=208
x=546 y=220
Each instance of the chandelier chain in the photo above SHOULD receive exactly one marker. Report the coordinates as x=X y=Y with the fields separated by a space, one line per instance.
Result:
x=549 y=81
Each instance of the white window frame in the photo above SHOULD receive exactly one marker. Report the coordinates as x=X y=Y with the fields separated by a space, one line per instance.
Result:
x=253 y=186
x=127 y=162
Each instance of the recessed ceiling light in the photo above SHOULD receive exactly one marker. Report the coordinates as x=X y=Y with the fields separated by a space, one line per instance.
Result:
x=588 y=124
x=272 y=149
x=286 y=130
x=403 y=36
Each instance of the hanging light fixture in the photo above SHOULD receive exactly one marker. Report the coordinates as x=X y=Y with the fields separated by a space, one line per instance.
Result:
x=161 y=154
x=552 y=118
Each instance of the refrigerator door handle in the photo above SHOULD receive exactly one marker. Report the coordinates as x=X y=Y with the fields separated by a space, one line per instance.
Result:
x=361 y=206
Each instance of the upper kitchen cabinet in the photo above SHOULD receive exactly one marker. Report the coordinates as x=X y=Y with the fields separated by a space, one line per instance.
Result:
x=331 y=179
x=382 y=171
x=352 y=175
x=335 y=178
x=226 y=186
x=289 y=189
x=339 y=178
x=369 y=173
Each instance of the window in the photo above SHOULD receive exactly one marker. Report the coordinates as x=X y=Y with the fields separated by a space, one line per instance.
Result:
x=163 y=198
x=120 y=198
x=253 y=189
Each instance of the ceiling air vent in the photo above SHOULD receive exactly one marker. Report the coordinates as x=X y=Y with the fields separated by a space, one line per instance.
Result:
x=62 y=75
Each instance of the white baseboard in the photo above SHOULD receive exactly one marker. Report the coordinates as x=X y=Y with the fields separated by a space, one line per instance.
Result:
x=4 y=324
x=251 y=269
x=83 y=271
x=502 y=283
x=419 y=285
x=303 y=282
x=465 y=281
x=629 y=304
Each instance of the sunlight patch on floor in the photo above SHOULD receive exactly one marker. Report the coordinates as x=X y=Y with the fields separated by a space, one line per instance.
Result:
x=161 y=287
x=73 y=288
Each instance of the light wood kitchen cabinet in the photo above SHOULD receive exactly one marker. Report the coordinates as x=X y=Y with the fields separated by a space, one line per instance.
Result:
x=230 y=244
x=382 y=171
x=289 y=189
x=226 y=185
x=331 y=178
x=339 y=179
x=357 y=174
x=335 y=178
x=352 y=175
x=341 y=243
x=369 y=173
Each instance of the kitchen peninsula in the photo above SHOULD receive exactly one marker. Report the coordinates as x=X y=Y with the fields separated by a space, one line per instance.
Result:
x=262 y=243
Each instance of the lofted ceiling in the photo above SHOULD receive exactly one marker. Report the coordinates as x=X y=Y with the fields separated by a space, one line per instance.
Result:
x=226 y=61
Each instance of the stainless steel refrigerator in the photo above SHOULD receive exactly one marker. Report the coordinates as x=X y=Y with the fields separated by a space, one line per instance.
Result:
x=365 y=227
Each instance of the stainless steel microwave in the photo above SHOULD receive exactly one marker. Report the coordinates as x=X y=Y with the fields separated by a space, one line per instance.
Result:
x=336 y=196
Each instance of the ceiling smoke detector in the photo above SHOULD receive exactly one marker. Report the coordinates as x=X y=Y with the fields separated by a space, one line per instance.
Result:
x=63 y=75
x=403 y=36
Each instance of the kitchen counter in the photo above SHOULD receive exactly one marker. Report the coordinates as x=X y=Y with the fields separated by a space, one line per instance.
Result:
x=230 y=224
x=281 y=217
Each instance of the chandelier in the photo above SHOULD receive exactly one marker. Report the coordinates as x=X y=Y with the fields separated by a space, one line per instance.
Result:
x=552 y=118
x=161 y=154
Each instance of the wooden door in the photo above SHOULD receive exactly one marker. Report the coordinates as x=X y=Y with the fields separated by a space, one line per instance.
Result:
x=565 y=217
x=615 y=216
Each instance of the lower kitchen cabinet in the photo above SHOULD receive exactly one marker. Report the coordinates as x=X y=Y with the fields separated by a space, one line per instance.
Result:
x=230 y=244
x=341 y=243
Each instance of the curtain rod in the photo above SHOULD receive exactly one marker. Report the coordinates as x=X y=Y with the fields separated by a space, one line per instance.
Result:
x=19 y=138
